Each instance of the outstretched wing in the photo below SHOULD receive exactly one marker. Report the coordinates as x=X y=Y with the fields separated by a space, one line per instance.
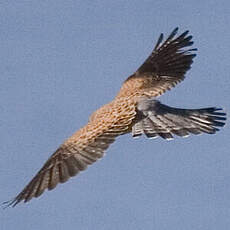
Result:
x=170 y=58
x=68 y=160
x=165 y=67
x=85 y=147
x=156 y=119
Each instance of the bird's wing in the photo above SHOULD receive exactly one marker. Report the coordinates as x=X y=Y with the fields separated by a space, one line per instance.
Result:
x=82 y=149
x=167 y=64
x=156 y=119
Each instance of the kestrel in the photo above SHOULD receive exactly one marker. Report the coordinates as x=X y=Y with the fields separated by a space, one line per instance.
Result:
x=134 y=110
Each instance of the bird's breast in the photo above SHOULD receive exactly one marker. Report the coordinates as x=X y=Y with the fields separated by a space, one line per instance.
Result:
x=118 y=111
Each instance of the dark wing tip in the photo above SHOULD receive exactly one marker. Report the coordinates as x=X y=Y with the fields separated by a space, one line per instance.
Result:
x=179 y=42
x=175 y=30
x=161 y=37
x=170 y=57
x=10 y=203
x=19 y=198
x=63 y=164
x=173 y=33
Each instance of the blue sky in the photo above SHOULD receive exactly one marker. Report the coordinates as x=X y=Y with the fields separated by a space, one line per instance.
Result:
x=61 y=60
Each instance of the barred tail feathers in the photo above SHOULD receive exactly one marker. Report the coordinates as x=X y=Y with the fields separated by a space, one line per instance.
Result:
x=164 y=121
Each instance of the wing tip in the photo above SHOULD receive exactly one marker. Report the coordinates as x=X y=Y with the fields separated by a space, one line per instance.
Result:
x=160 y=60
x=10 y=203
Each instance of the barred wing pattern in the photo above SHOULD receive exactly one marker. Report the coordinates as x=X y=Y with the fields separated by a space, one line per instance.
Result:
x=169 y=58
x=66 y=162
x=164 y=68
x=156 y=119
x=83 y=148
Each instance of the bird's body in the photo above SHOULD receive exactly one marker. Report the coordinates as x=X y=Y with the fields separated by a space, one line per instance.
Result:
x=134 y=110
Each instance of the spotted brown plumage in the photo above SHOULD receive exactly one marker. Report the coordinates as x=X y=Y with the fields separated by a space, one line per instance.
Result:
x=134 y=110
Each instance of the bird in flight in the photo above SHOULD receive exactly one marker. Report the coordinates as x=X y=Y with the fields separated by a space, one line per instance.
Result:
x=134 y=110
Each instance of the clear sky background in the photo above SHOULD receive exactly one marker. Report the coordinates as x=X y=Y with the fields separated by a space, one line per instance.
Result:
x=61 y=60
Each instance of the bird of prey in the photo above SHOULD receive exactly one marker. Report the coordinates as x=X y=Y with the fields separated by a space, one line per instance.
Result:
x=134 y=110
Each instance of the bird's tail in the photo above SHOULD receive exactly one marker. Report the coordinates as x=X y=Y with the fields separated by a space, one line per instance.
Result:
x=164 y=121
